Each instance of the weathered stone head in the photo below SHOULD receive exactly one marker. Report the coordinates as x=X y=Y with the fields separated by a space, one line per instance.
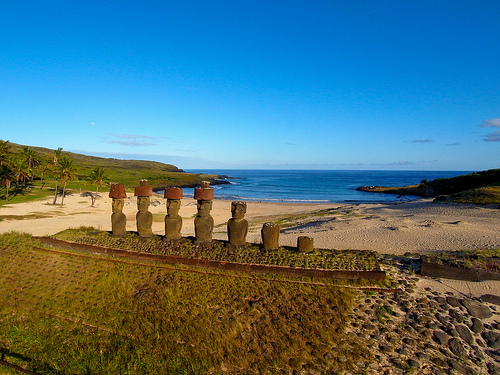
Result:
x=117 y=205
x=143 y=192
x=270 y=236
x=118 y=194
x=238 y=210
x=203 y=222
x=305 y=244
x=173 y=207
x=173 y=221
x=144 y=218
x=204 y=208
x=118 y=218
x=174 y=196
x=237 y=226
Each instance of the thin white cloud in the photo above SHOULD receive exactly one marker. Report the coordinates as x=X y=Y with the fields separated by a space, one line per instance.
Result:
x=137 y=143
x=130 y=136
x=493 y=123
x=453 y=144
x=420 y=141
x=134 y=140
x=492 y=137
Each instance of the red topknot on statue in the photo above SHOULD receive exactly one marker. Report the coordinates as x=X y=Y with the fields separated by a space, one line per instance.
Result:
x=204 y=193
x=143 y=190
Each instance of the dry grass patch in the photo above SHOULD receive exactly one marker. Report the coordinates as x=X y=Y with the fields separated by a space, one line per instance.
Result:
x=68 y=314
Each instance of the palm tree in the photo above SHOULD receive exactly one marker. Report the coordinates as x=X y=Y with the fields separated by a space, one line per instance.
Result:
x=56 y=156
x=97 y=177
x=67 y=172
x=45 y=166
x=4 y=152
x=54 y=164
x=20 y=169
x=31 y=158
x=6 y=176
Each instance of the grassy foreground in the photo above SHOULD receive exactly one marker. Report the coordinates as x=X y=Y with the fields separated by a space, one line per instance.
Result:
x=73 y=314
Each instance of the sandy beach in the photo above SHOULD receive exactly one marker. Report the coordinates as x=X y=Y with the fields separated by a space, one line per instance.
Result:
x=398 y=228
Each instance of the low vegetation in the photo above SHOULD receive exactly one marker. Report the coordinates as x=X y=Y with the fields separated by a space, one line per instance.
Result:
x=480 y=196
x=63 y=313
x=484 y=260
x=359 y=260
x=476 y=188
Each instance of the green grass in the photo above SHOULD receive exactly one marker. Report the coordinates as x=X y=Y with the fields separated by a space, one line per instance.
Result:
x=480 y=259
x=480 y=196
x=22 y=195
x=67 y=314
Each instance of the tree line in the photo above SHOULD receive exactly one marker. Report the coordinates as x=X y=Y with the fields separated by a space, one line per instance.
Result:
x=19 y=169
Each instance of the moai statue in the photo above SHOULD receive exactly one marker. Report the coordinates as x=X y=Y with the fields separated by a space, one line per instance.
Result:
x=203 y=222
x=173 y=221
x=237 y=226
x=143 y=217
x=118 y=218
x=270 y=236
x=305 y=244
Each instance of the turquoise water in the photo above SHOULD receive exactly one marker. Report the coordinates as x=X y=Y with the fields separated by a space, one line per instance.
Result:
x=314 y=185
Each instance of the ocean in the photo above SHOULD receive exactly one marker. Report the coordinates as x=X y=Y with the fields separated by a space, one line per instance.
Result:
x=315 y=186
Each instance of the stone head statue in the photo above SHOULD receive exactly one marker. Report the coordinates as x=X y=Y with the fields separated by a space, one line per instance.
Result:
x=238 y=210
x=118 y=218
x=174 y=196
x=173 y=207
x=203 y=222
x=143 y=203
x=204 y=208
x=237 y=226
x=144 y=218
x=117 y=205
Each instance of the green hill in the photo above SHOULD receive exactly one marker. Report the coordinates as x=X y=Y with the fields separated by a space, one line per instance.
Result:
x=478 y=187
x=128 y=172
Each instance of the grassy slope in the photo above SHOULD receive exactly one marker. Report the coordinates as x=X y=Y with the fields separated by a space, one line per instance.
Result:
x=128 y=172
x=66 y=314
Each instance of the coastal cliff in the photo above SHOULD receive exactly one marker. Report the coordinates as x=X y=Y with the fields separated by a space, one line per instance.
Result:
x=486 y=183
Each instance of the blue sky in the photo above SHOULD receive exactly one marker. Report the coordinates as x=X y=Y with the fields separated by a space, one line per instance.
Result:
x=404 y=85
